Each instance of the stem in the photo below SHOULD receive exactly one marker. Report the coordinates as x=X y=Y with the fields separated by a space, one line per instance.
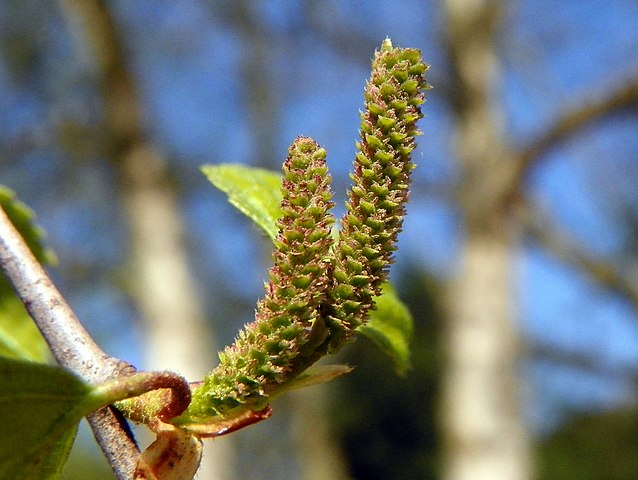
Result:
x=147 y=396
x=69 y=342
x=114 y=436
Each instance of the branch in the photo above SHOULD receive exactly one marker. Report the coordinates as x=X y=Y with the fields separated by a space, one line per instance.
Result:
x=604 y=273
x=69 y=342
x=572 y=122
x=581 y=360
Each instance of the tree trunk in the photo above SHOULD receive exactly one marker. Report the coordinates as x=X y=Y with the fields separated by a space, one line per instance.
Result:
x=176 y=335
x=485 y=436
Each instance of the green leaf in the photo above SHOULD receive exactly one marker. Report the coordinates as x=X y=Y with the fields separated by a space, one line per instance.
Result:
x=22 y=218
x=390 y=328
x=40 y=408
x=19 y=337
x=254 y=191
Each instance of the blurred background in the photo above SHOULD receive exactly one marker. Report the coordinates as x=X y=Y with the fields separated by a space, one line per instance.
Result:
x=518 y=259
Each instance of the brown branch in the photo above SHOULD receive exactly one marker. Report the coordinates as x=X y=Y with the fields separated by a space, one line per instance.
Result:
x=69 y=342
x=258 y=87
x=94 y=26
x=113 y=434
x=571 y=123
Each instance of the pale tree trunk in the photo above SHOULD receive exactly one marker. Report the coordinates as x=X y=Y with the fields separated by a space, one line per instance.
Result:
x=318 y=449
x=485 y=436
x=176 y=335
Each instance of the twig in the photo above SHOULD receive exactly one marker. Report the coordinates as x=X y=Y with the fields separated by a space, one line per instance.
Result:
x=113 y=434
x=69 y=342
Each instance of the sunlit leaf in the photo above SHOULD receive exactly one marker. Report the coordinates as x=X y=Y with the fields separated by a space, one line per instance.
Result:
x=254 y=191
x=313 y=376
x=19 y=337
x=390 y=327
x=40 y=408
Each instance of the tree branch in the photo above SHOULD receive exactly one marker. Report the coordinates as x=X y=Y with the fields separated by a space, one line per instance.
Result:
x=570 y=123
x=177 y=335
x=557 y=243
x=583 y=361
x=69 y=342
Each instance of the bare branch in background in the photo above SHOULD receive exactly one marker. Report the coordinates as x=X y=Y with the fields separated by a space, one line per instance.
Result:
x=320 y=21
x=583 y=361
x=571 y=123
x=558 y=244
x=258 y=86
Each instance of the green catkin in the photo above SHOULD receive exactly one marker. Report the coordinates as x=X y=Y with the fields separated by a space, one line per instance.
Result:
x=381 y=177
x=320 y=291
x=288 y=326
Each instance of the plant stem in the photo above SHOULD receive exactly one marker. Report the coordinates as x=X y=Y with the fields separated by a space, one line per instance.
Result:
x=114 y=436
x=70 y=343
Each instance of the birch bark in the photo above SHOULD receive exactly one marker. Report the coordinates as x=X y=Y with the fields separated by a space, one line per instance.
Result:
x=485 y=436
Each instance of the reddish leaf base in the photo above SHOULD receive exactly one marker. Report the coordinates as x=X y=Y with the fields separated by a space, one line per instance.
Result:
x=221 y=426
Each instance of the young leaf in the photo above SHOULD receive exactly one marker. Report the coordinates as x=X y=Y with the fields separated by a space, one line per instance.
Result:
x=390 y=328
x=254 y=191
x=41 y=406
x=39 y=413
x=314 y=376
